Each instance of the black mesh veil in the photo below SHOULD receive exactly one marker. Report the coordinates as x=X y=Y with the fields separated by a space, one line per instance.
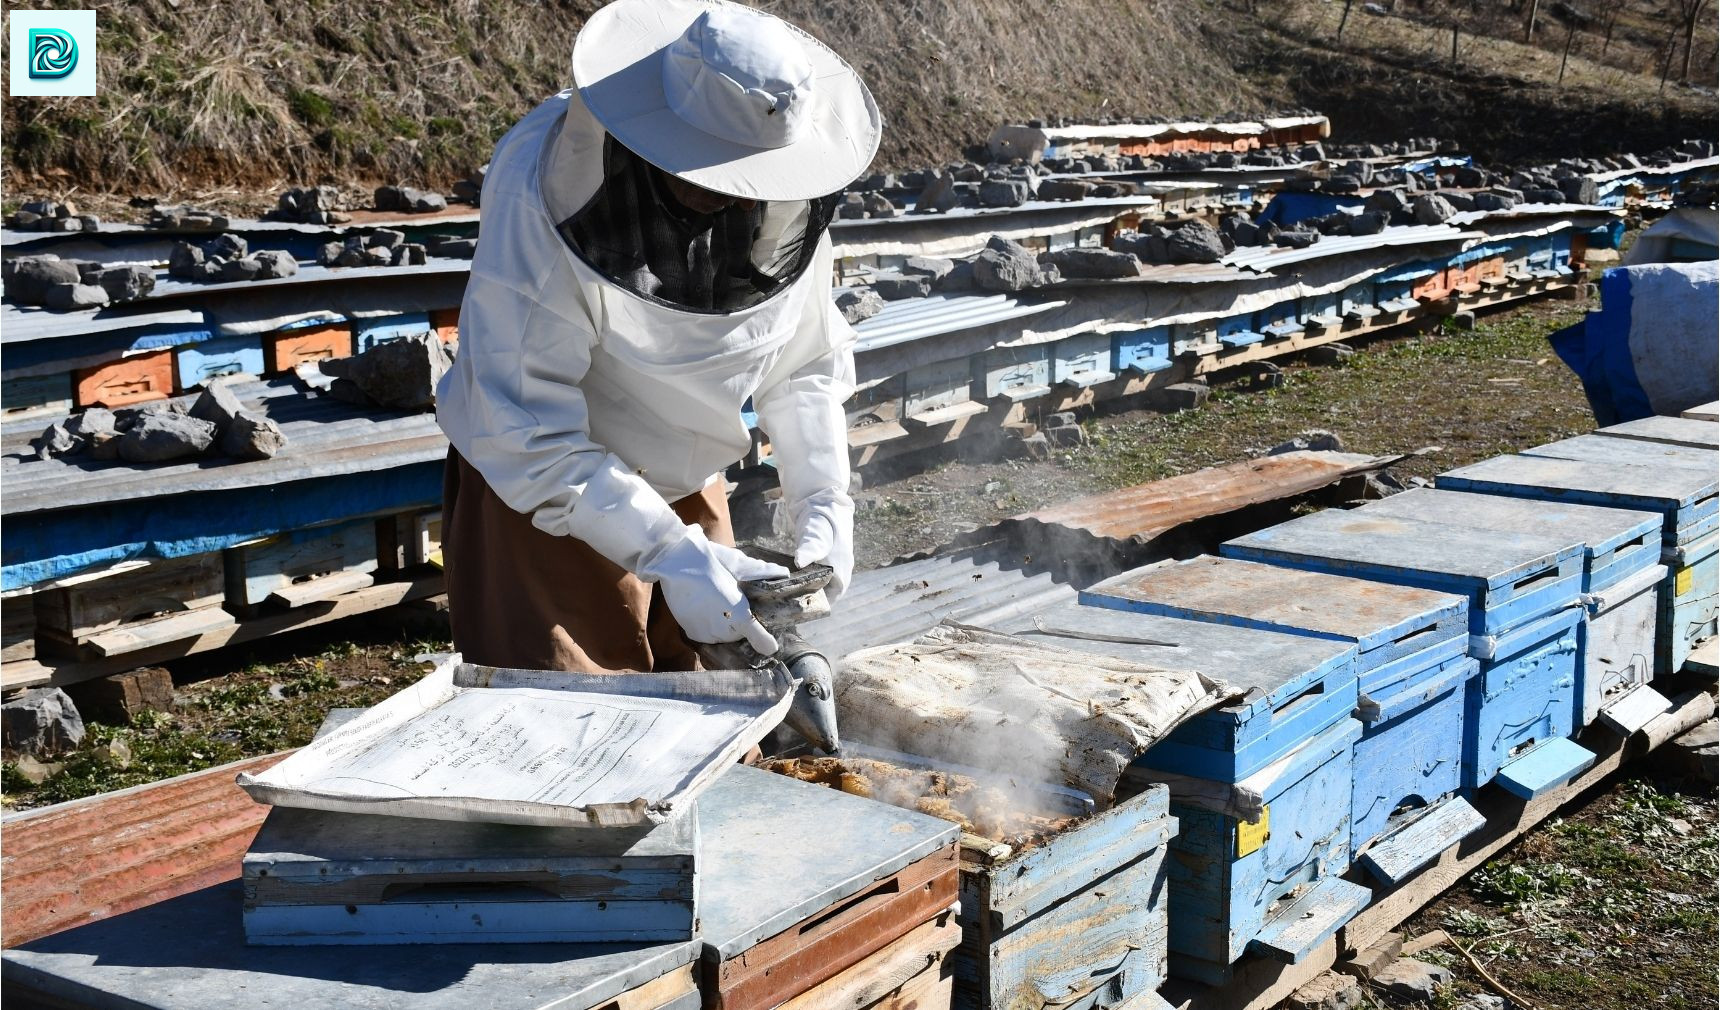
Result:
x=635 y=233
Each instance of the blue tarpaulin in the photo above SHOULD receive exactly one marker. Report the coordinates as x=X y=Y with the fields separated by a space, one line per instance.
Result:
x=1651 y=348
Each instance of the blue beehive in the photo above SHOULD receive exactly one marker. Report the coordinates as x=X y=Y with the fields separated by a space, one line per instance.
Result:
x=1142 y=352
x=198 y=363
x=1685 y=498
x=1621 y=571
x=1523 y=592
x=1279 y=830
x=1290 y=687
x=1631 y=452
x=1412 y=670
x=367 y=333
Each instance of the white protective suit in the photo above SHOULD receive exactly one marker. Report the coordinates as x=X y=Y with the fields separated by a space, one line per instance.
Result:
x=590 y=408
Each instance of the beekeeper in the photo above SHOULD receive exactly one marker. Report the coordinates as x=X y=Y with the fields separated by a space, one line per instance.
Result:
x=654 y=253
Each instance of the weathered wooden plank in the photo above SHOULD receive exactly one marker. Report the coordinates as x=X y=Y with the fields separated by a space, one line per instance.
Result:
x=1548 y=766
x=1296 y=930
x=1704 y=659
x=1634 y=709
x=1396 y=856
x=32 y=673
x=324 y=587
x=18 y=627
x=1709 y=411
x=909 y=973
x=157 y=632
x=76 y=611
x=1630 y=452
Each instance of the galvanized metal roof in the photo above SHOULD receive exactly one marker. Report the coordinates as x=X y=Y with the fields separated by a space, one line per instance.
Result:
x=1264 y=259
x=913 y=319
x=325 y=437
x=900 y=602
x=1677 y=168
x=1119 y=203
x=1534 y=210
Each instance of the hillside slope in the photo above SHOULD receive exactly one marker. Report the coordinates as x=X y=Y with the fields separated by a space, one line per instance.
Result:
x=231 y=100
x=250 y=94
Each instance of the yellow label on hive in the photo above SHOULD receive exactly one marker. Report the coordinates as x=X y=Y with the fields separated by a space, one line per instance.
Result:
x=1250 y=837
x=1682 y=582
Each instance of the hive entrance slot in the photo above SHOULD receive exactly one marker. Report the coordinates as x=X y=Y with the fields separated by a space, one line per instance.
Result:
x=450 y=891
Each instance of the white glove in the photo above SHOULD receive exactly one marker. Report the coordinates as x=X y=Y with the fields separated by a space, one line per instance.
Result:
x=701 y=583
x=825 y=533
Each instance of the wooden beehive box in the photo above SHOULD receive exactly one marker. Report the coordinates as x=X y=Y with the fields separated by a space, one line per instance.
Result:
x=107 y=614
x=1520 y=586
x=314 y=877
x=1620 y=575
x=1412 y=666
x=801 y=884
x=292 y=347
x=1685 y=431
x=1289 y=687
x=189 y=953
x=135 y=378
x=1598 y=448
x=197 y=364
x=1077 y=921
x=301 y=567
x=1269 y=884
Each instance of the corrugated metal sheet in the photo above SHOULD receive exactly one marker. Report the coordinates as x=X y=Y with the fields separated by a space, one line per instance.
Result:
x=361 y=220
x=900 y=602
x=1264 y=259
x=78 y=862
x=1119 y=203
x=19 y=324
x=913 y=319
x=1147 y=131
x=1527 y=210
x=1675 y=169
x=1141 y=513
x=325 y=437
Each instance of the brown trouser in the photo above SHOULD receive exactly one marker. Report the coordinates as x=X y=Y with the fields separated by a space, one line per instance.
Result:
x=522 y=598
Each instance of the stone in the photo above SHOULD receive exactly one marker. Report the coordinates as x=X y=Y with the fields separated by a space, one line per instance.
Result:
x=165 y=435
x=1579 y=190
x=126 y=418
x=467 y=191
x=1326 y=991
x=55 y=440
x=75 y=297
x=1373 y=959
x=1495 y=200
x=36 y=772
x=895 y=287
x=227 y=246
x=1059 y=419
x=1464 y=320
x=400 y=374
x=124 y=283
x=90 y=422
x=455 y=248
x=412 y=254
x=856 y=304
x=28 y=278
x=118 y=697
x=66 y=224
x=1542 y=194
x=1485 y=1001
x=103 y=445
x=385 y=238
x=1065 y=189
x=26 y=220
x=426 y=203
x=41 y=721
x=1087 y=262
x=1067 y=437
x=41 y=208
x=329 y=253
x=247 y=269
x=1008 y=266
x=252 y=436
x=935 y=267
x=1194 y=242
x=375 y=256
x=1331 y=354
x=1696 y=753
x=878 y=205
x=1431 y=208
x=1320 y=440
x=1469 y=177
x=1386 y=201
x=1002 y=193
x=939 y=195
x=273 y=263
x=1035 y=446
x=1367 y=223
x=218 y=405
x=1297 y=238
x=1184 y=395
x=1342 y=184
x=1410 y=980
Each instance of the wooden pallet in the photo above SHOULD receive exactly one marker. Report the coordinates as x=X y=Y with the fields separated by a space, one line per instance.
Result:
x=132 y=608
x=37 y=672
x=912 y=973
